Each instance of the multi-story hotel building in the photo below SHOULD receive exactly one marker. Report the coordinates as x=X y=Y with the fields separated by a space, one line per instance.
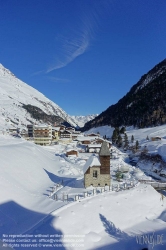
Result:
x=42 y=134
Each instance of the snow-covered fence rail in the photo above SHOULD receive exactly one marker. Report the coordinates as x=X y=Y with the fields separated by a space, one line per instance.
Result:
x=66 y=197
x=155 y=184
x=159 y=186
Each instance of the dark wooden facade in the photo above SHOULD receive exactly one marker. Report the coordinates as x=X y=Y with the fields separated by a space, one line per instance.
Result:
x=105 y=164
x=72 y=152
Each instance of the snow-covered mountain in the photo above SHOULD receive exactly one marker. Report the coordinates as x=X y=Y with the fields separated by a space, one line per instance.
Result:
x=81 y=120
x=143 y=106
x=19 y=103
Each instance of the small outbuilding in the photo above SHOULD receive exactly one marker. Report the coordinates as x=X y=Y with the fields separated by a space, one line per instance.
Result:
x=93 y=148
x=71 y=152
x=156 y=138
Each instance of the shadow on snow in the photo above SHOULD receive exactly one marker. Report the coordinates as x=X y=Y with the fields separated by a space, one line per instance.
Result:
x=15 y=220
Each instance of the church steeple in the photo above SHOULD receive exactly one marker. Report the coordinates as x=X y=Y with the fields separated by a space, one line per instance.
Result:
x=104 y=156
x=104 y=150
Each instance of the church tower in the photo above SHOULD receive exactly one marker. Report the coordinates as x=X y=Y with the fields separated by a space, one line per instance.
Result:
x=104 y=156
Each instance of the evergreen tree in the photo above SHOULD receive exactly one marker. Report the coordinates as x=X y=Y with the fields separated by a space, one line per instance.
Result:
x=132 y=139
x=136 y=145
x=114 y=136
x=119 y=141
x=122 y=130
x=126 y=141
x=117 y=130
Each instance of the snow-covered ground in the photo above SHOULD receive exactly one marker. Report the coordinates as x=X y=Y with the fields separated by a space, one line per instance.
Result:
x=106 y=220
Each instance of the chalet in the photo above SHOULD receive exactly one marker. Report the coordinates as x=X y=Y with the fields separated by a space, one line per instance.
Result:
x=62 y=127
x=97 y=168
x=71 y=152
x=93 y=134
x=100 y=141
x=156 y=138
x=93 y=148
x=70 y=129
x=66 y=134
x=74 y=136
x=77 y=132
x=42 y=134
x=86 y=139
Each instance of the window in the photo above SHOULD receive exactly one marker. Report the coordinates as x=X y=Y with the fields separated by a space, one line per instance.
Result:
x=95 y=173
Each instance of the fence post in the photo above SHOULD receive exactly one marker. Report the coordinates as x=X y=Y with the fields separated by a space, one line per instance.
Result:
x=55 y=197
x=85 y=194
x=94 y=191
x=76 y=197
x=117 y=187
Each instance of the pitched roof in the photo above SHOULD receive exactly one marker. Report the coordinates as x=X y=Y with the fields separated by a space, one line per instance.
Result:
x=104 y=150
x=92 y=161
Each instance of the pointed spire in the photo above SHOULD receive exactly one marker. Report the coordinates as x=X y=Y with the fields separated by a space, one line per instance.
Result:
x=104 y=150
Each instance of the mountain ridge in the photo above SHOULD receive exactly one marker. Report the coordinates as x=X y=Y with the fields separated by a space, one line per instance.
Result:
x=144 y=105
x=15 y=95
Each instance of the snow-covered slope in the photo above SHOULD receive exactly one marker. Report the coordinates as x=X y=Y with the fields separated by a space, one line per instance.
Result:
x=81 y=120
x=26 y=179
x=14 y=93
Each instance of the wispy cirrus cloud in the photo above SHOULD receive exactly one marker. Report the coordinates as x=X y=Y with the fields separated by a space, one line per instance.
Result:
x=76 y=42
x=70 y=49
x=37 y=73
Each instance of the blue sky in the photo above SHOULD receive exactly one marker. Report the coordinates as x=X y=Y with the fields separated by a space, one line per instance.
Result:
x=82 y=54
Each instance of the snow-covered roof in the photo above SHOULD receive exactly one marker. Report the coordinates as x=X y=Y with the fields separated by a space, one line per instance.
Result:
x=92 y=161
x=71 y=149
x=41 y=126
x=94 y=145
x=56 y=128
x=86 y=138
x=94 y=134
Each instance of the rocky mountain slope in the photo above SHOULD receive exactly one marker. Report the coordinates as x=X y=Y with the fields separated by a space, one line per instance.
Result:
x=144 y=105
x=81 y=120
x=21 y=104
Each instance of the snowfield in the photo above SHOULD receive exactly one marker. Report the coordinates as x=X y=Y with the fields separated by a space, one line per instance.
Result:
x=116 y=219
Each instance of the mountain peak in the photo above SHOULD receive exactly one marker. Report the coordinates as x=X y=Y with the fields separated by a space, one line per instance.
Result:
x=4 y=71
